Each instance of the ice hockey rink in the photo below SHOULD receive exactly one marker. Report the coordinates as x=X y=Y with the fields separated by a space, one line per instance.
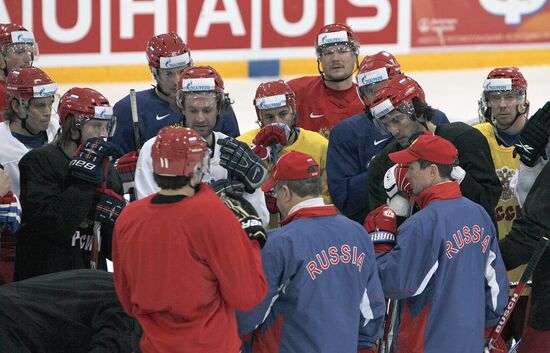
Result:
x=455 y=92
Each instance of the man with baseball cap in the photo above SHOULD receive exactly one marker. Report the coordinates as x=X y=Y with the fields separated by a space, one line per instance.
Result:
x=440 y=256
x=315 y=251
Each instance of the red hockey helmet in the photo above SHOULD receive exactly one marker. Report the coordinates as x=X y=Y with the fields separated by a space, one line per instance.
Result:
x=167 y=51
x=177 y=151
x=336 y=33
x=85 y=104
x=11 y=33
x=505 y=79
x=198 y=79
x=274 y=94
x=397 y=93
x=500 y=80
x=29 y=82
x=376 y=68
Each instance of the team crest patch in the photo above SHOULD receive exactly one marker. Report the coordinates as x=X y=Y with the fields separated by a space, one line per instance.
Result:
x=505 y=175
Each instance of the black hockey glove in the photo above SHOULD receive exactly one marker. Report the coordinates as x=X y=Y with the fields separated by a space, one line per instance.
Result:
x=232 y=188
x=247 y=216
x=534 y=137
x=87 y=163
x=242 y=163
x=108 y=206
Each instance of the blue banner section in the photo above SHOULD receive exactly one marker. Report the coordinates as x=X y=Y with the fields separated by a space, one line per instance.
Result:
x=263 y=68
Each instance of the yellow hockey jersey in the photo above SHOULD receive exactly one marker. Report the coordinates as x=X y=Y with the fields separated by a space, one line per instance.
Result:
x=508 y=207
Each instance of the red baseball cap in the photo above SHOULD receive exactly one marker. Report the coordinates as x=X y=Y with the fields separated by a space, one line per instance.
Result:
x=428 y=147
x=292 y=165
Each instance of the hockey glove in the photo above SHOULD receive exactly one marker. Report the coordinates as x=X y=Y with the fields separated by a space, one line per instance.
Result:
x=242 y=163
x=108 y=206
x=126 y=168
x=247 y=216
x=87 y=163
x=395 y=180
x=534 y=137
x=273 y=135
x=10 y=212
x=381 y=224
x=232 y=188
x=271 y=203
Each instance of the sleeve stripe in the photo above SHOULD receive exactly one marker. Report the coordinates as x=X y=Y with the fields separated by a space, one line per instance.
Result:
x=365 y=308
x=491 y=277
x=426 y=279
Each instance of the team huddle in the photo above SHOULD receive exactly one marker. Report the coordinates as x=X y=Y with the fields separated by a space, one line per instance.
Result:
x=355 y=218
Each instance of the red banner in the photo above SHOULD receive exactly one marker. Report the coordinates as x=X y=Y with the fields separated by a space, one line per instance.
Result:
x=77 y=27
x=451 y=23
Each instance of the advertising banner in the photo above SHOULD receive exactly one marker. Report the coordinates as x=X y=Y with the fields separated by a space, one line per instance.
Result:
x=115 y=32
x=479 y=22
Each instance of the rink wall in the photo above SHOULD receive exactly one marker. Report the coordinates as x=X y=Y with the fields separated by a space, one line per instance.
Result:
x=104 y=40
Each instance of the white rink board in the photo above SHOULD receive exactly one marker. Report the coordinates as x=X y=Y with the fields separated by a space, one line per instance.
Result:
x=454 y=92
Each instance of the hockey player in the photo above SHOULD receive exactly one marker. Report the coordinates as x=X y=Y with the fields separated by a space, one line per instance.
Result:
x=400 y=108
x=324 y=100
x=324 y=292
x=29 y=124
x=503 y=112
x=17 y=50
x=517 y=247
x=233 y=168
x=446 y=264
x=10 y=209
x=275 y=105
x=196 y=264
x=355 y=141
x=69 y=193
x=10 y=218
x=167 y=56
x=71 y=311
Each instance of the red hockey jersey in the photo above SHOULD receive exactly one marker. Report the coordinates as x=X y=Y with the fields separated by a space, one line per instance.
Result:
x=182 y=269
x=319 y=108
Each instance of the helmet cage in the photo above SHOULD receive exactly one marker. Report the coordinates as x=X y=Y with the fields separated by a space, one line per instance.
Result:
x=103 y=113
x=385 y=107
x=496 y=89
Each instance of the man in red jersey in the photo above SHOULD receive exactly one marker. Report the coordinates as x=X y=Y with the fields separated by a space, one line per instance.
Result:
x=331 y=97
x=182 y=262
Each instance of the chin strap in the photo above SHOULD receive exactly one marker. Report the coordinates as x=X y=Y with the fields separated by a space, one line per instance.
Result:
x=342 y=79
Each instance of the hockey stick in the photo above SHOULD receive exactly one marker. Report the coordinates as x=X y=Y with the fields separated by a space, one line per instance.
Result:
x=135 y=118
x=533 y=261
x=96 y=230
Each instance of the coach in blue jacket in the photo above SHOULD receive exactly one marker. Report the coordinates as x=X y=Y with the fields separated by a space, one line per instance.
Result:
x=446 y=265
x=324 y=293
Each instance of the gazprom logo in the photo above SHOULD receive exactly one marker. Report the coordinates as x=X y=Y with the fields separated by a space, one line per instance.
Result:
x=199 y=84
x=103 y=112
x=497 y=84
x=44 y=90
x=22 y=37
x=373 y=76
x=332 y=37
x=379 y=110
x=175 y=61
x=271 y=102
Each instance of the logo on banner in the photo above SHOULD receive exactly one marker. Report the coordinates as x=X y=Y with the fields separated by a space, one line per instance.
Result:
x=512 y=10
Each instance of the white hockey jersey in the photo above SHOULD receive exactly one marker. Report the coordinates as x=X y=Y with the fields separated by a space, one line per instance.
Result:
x=13 y=150
x=145 y=184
